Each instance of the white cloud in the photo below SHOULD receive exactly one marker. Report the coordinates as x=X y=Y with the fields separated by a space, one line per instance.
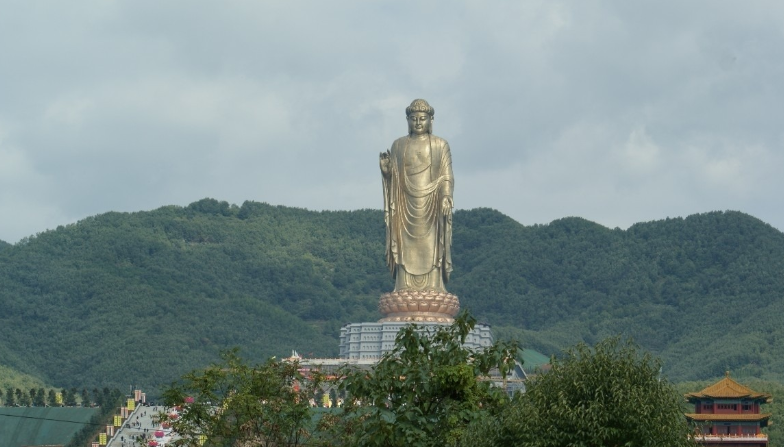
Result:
x=641 y=152
x=68 y=111
x=15 y=166
x=733 y=168
x=22 y=189
x=612 y=111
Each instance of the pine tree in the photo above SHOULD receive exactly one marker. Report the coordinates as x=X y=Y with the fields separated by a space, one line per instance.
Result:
x=51 y=398
x=40 y=398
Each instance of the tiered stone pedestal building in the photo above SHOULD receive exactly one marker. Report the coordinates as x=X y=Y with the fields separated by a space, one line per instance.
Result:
x=428 y=309
x=370 y=341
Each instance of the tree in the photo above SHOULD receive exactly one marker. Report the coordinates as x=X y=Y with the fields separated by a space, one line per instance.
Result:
x=611 y=395
x=10 y=400
x=69 y=397
x=238 y=404
x=106 y=397
x=51 y=398
x=426 y=391
x=39 y=400
x=22 y=398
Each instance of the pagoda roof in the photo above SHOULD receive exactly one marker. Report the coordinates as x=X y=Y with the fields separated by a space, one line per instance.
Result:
x=727 y=388
x=728 y=417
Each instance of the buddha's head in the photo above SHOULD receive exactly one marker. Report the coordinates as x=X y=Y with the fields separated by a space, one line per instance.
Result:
x=420 y=117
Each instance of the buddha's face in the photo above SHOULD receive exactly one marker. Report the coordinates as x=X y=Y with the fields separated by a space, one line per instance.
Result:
x=419 y=123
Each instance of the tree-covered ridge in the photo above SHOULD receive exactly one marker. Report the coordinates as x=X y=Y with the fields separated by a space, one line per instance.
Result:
x=699 y=291
x=146 y=296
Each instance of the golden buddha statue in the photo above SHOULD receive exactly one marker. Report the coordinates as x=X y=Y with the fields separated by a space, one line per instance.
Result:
x=418 y=184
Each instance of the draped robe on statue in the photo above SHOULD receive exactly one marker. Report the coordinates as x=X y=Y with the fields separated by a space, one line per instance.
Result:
x=419 y=234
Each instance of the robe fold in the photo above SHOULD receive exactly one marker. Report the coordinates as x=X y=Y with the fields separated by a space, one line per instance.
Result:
x=419 y=234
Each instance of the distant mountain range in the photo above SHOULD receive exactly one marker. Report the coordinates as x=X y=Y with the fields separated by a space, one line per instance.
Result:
x=140 y=298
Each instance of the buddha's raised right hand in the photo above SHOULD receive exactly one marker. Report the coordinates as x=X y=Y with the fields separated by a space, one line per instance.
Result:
x=383 y=162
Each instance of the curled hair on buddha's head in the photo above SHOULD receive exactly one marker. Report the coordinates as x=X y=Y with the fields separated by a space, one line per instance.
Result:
x=420 y=105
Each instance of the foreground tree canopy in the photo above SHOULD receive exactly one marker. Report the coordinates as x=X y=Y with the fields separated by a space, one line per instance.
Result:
x=423 y=393
x=429 y=392
x=236 y=404
x=608 y=395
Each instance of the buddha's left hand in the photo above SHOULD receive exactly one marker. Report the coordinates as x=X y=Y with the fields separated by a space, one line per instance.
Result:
x=446 y=206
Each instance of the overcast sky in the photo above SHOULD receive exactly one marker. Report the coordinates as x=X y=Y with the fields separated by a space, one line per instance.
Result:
x=618 y=112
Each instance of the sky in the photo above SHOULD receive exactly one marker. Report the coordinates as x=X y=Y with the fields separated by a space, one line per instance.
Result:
x=618 y=112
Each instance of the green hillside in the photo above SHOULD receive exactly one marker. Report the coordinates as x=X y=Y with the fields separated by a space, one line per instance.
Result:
x=140 y=298
x=10 y=378
x=704 y=292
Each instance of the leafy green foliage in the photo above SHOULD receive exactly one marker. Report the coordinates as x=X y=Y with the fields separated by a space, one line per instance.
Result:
x=238 y=404
x=611 y=395
x=425 y=391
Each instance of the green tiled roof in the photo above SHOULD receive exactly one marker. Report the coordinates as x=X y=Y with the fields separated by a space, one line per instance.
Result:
x=533 y=359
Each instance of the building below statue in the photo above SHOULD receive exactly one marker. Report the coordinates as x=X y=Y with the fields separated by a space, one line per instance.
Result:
x=429 y=309
x=370 y=341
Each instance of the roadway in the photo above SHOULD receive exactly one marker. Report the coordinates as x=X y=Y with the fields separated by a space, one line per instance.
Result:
x=141 y=424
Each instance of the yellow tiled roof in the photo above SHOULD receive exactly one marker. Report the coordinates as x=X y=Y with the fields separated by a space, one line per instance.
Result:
x=727 y=388
x=727 y=417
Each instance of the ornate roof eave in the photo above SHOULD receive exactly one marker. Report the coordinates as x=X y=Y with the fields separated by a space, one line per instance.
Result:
x=727 y=388
x=754 y=396
x=728 y=417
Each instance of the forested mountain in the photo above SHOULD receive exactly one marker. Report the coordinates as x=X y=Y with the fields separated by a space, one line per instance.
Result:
x=704 y=292
x=140 y=298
